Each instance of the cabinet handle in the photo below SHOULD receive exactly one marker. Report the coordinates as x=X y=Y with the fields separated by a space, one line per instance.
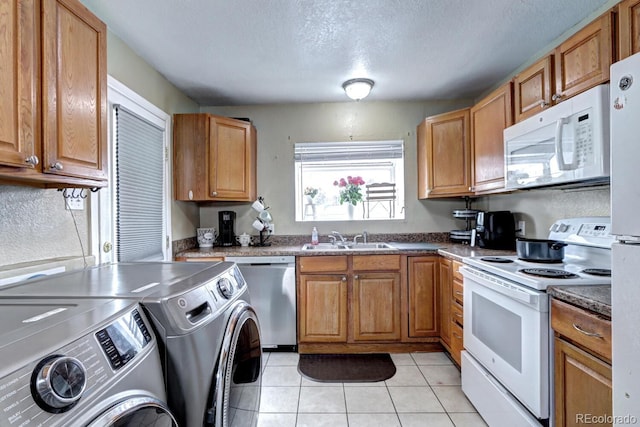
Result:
x=458 y=315
x=57 y=166
x=344 y=278
x=587 y=333
x=556 y=96
x=543 y=103
x=356 y=277
x=214 y=193
x=32 y=160
x=458 y=293
x=457 y=336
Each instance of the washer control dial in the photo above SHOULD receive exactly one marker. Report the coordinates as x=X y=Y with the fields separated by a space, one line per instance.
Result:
x=225 y=287
x=59 y=382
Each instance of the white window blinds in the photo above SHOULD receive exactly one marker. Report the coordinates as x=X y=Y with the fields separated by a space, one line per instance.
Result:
x=139 y=164
x=354 y=151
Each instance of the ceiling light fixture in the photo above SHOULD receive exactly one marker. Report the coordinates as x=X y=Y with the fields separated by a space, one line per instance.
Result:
x=357 y=89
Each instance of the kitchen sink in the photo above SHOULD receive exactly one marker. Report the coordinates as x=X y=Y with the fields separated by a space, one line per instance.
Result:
x=347 y=247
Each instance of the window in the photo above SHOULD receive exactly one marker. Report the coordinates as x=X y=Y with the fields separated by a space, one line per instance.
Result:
x=368 y=173
x=131 y=221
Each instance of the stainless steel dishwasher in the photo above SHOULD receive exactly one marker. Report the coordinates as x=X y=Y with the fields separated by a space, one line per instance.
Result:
x=272 y=288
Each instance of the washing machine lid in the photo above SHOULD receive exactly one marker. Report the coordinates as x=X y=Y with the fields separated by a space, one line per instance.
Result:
x=139 y=281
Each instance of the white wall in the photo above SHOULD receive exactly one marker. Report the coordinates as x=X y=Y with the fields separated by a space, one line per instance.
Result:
x=280 y=126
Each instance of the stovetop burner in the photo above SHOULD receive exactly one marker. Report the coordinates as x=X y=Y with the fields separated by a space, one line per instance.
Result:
x=549 y=272
x=603 y=272
x=496 y=259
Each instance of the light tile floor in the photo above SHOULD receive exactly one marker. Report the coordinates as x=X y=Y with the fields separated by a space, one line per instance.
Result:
x=425 y=391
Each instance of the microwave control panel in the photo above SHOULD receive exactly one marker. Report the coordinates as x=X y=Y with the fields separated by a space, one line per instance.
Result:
x=583 y=139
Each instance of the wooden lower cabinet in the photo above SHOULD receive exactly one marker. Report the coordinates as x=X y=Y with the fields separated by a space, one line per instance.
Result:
x=322 y=308
x=367 y=303
x=582 y=366
x=582 y=385
x=445 y=301
x=375 y=313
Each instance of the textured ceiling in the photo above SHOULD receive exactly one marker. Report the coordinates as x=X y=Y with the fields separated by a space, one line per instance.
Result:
x=235 y=52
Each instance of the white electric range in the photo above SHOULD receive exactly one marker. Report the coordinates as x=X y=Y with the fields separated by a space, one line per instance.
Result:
x=506 y=365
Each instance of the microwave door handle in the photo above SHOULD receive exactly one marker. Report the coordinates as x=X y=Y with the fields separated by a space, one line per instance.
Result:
x=559 y=150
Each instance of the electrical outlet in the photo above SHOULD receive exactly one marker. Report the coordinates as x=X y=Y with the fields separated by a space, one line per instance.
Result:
x=74 y=203
x=520 y=228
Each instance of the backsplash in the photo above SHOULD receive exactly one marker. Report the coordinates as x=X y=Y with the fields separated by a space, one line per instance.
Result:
x=36 y=226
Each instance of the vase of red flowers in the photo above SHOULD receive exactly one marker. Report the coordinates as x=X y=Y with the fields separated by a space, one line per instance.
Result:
x=350 y=191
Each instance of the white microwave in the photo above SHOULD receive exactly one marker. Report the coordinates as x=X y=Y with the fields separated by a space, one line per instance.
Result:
x=564 y=144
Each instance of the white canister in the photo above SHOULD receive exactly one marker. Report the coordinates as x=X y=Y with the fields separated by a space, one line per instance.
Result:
x=206 y=237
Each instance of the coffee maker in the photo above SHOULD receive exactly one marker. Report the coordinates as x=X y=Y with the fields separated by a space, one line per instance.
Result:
x=496 y=230
x=226 y=225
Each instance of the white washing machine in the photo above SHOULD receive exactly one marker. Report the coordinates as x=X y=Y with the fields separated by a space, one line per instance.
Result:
x=208 y=331
x=79 y=363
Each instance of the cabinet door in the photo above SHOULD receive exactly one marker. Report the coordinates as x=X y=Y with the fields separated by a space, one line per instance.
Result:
x=444 y=157
x=628 y=28
x=232 y=157
x=582 y=385
x=190 y=154
x=583 y=61
x=533 y=88
x=444 y=298
x=322 y=308
x=19 y=130
x=423 y=296
x=489 y=118
x=74 y=90
x=376 y=307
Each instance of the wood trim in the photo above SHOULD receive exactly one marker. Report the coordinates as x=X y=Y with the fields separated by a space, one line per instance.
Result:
x=433 y=345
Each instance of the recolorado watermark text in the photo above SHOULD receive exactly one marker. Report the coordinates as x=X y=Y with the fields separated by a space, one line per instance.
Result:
x=605 y=419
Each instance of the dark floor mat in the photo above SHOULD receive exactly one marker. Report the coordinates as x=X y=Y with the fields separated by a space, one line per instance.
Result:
x=346 y=368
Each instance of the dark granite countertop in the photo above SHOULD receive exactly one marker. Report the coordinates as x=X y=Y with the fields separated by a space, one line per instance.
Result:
x=449 y=250
x=592 y=298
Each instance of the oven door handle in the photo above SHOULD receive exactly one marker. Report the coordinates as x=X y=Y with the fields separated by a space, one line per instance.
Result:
x=511 y=291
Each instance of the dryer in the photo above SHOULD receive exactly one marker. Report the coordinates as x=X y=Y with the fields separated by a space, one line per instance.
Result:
x=79 y=363
x=208 y=331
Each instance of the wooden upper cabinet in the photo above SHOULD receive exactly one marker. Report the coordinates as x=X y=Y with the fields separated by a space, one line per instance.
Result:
x=214 y=158
x=444 y=155
x=628 y=28
x=74 y=91
x=232 y=159
x=583 y=60
x=489 y=118
x=533 y=88
x=19 y=127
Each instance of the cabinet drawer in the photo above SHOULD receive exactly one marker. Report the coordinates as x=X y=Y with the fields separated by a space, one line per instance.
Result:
x=457 y=291
x=582 y=327
x=376 y=262
x=456 y=270
x=322 y=264
x=457 y=313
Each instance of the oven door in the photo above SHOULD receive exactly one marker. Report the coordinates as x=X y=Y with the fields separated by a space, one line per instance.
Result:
x=506 y=329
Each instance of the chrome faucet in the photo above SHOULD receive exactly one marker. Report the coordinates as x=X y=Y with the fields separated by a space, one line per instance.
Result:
x=355 y=239
x=332 y=238
x=335 y=233
x=365 y=236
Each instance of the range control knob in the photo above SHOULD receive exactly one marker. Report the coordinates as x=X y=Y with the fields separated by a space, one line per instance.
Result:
x=563 y=227
x=225 y=287
x=58 y=383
